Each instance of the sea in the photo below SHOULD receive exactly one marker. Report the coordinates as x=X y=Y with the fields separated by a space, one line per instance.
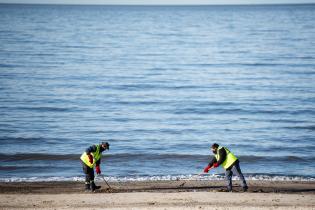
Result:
x=161 y=84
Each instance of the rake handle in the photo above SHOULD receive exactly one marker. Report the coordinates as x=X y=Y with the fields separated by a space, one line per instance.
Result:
x=106 y=182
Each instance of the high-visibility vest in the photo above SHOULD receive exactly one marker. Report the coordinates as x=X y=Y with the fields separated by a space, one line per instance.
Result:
x=96 y=156
x=229 y=160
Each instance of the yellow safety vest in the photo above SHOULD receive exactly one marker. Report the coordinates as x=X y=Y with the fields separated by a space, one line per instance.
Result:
x=96 y=156
x=229 y=160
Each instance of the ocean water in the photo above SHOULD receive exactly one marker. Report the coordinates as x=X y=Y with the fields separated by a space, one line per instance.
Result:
x=161 y=84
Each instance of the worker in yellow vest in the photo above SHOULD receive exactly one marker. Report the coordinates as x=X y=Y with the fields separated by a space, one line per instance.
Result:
x=229 y=162
x=92 y=158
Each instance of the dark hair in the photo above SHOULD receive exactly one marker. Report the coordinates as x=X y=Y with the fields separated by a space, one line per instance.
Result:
x=215 y=146
x=105 y=143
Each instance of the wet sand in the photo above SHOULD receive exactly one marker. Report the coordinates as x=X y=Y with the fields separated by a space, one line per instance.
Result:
x=157 y=195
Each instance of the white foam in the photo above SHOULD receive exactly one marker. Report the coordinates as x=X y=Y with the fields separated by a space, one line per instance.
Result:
x=203 y=177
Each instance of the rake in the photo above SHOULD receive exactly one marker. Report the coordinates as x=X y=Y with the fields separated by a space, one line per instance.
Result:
x=110 y=188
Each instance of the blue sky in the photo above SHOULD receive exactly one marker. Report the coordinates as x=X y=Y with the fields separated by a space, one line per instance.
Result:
x=159 y=1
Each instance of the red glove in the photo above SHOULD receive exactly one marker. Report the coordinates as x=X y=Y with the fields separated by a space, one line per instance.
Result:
x=206 y=170
x=98 y=170
x=215 y=165
x=90 y=158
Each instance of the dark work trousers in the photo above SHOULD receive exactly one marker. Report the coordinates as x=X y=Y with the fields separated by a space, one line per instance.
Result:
x=235 y=169
x=89 y=173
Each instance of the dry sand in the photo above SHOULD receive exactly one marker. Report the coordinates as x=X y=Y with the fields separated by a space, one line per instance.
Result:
x=158 y=195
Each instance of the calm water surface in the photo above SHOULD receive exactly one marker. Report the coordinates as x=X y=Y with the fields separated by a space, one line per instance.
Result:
x=161 y=84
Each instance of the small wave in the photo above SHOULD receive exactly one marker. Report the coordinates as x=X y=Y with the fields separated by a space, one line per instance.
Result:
x=291 y=159
x=120 y=157
x=46 y=109
x=38 y=156
x=29 y=140
x=292 y=112
x=192 y=177
x=210 y=110
x=310 y=127
x=125 y=157
x=2 y=65
x=257 y=64
x=204 y=111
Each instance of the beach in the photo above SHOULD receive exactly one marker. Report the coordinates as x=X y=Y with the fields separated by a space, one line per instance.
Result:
x=158 y=195
x=161 y=85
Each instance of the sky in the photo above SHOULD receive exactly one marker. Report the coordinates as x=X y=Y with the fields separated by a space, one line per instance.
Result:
x=159 y=2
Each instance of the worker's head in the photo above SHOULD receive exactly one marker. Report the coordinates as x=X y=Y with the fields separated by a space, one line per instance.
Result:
x=214 y=148
x=105 y=145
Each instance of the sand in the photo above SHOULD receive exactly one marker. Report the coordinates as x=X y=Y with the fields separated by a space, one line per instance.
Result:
x=157 y=195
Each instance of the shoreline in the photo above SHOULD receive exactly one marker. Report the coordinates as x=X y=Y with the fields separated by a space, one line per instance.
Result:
x=157 y=195
x=57 y=187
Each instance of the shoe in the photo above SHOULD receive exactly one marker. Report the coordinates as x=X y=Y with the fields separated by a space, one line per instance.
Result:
x=94 y=187
x=87 y=187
